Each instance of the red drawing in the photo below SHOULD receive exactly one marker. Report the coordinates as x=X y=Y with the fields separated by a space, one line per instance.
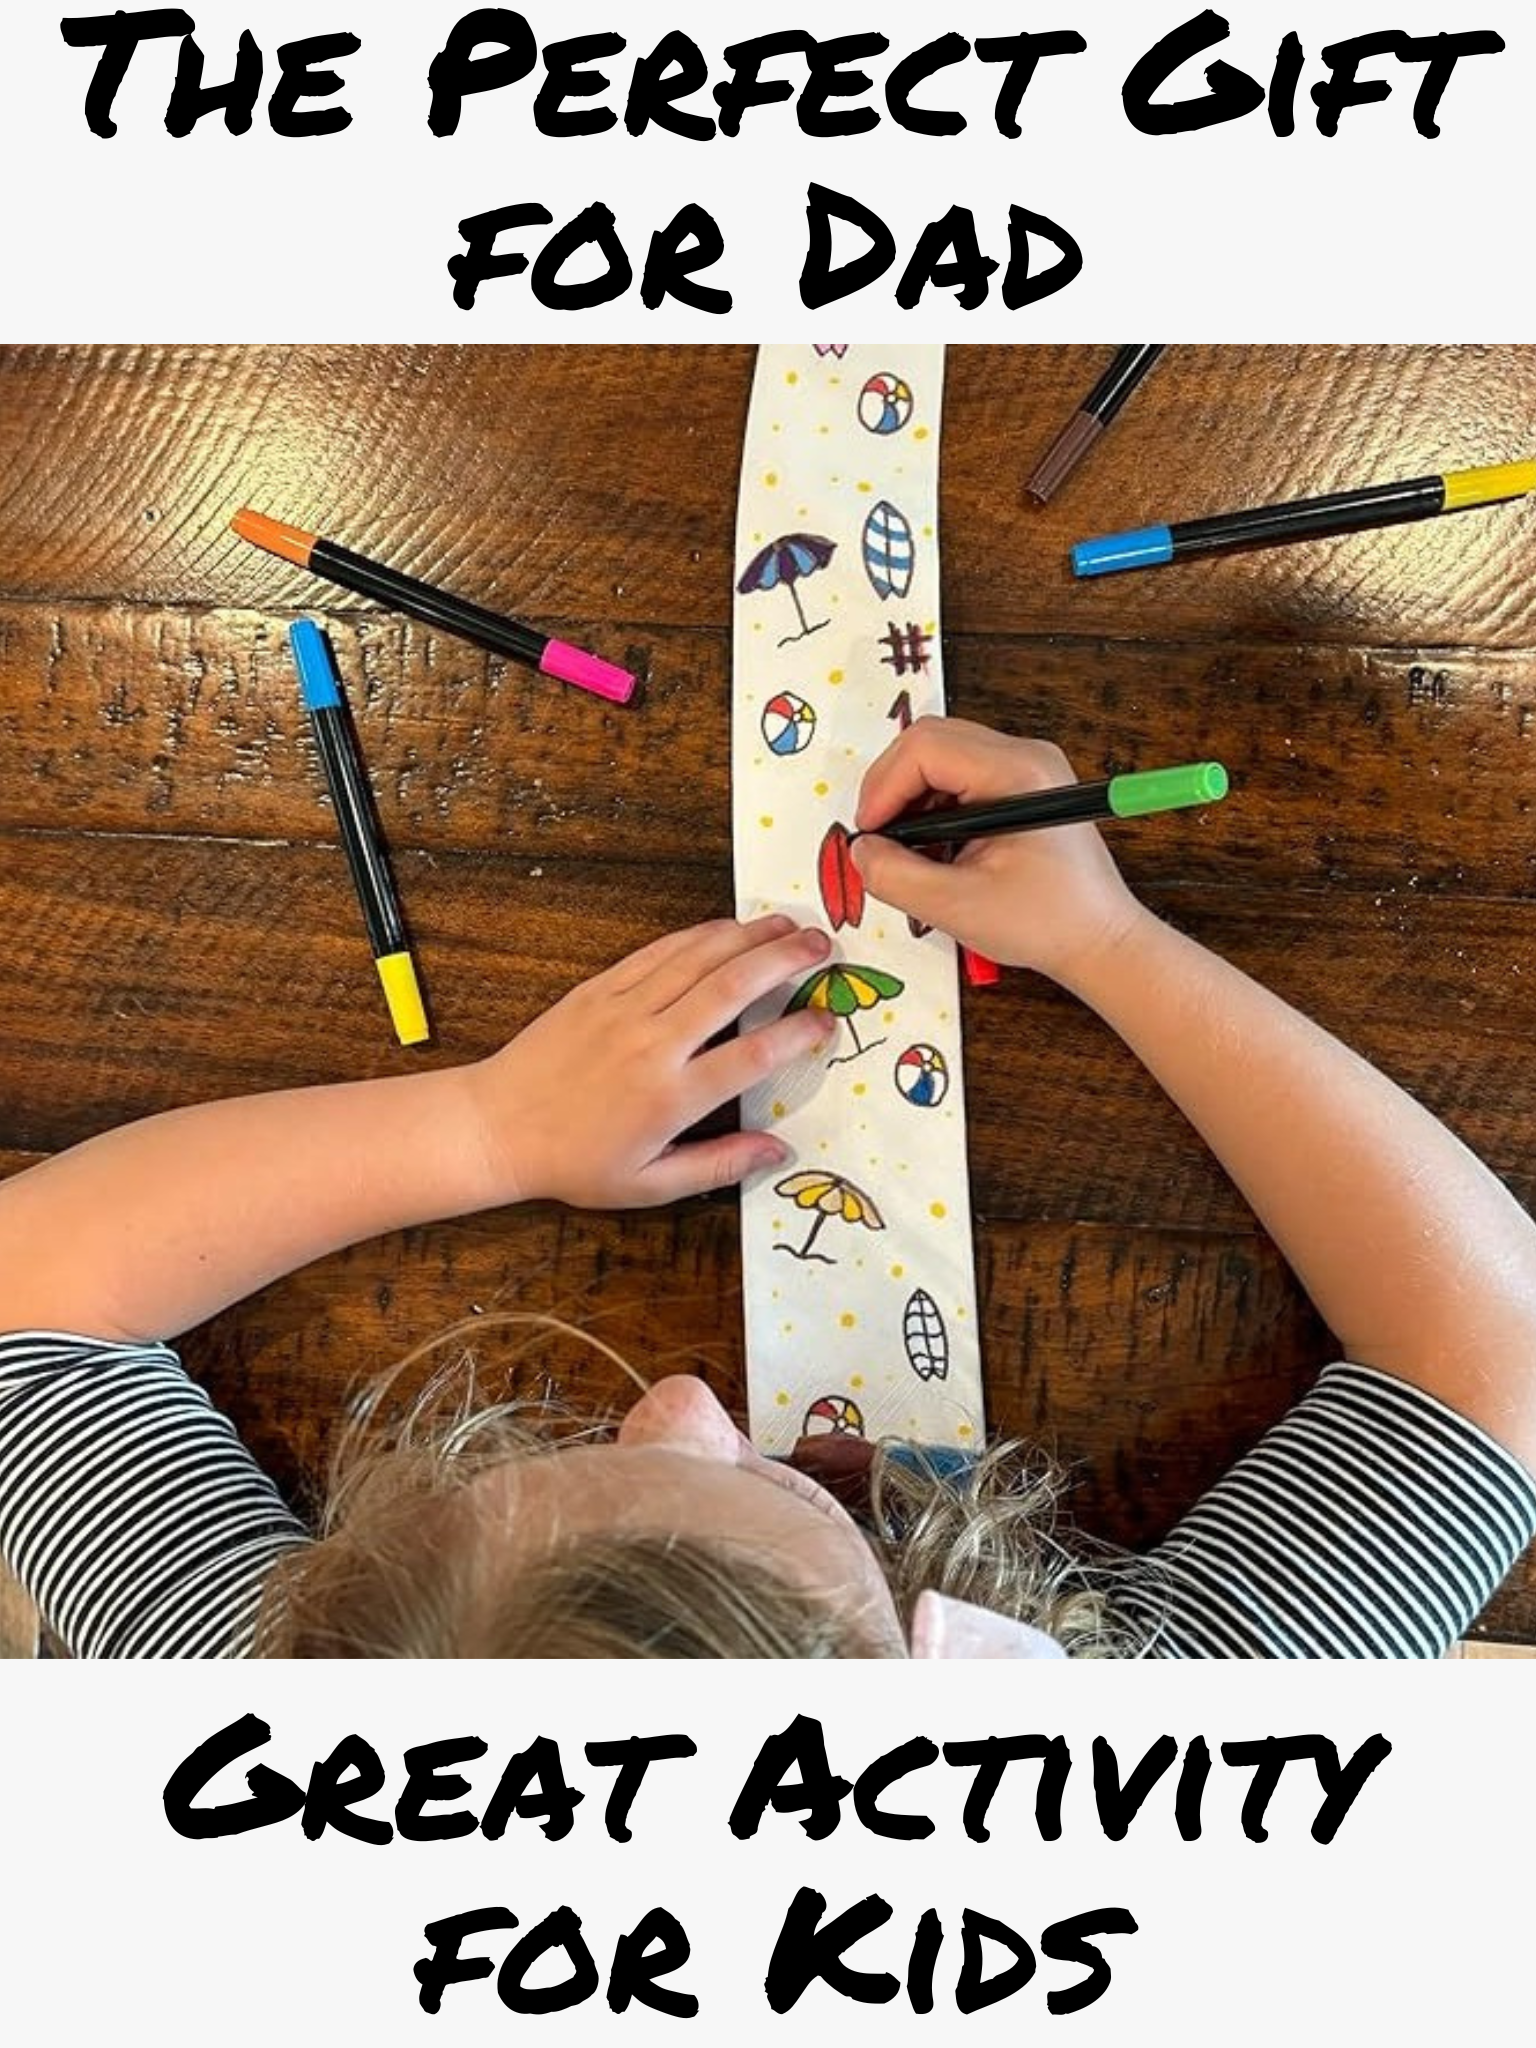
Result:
x=841 y=884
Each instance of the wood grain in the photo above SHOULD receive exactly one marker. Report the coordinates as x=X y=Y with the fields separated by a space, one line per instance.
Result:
x=18 y=1619
x=1357 y=767
x=179 y=922
x=600 y=482
x=163 y=971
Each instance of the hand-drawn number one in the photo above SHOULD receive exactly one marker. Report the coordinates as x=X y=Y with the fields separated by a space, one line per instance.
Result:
x=901 y=711
x=980 y=972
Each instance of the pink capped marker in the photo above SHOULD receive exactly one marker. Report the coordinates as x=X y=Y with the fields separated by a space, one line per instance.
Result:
x=569 y=664
x=438 y=607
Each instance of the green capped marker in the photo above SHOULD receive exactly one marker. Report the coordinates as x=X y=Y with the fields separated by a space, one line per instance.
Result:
x=1121 y=796
x=1164 y=789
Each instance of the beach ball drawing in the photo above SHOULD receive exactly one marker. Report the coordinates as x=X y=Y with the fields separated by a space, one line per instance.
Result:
x=885 y=403
x=789 y=723
x=833 y=1415
x=922 y=1076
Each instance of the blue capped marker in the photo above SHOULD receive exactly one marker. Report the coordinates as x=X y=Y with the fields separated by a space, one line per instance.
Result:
x=1142 y=548
x=347 y=781
x=1420 y=497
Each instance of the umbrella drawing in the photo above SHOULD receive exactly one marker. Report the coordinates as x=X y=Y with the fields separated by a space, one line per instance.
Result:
x=829 y=1195
x=784 y=561
x=844 y=990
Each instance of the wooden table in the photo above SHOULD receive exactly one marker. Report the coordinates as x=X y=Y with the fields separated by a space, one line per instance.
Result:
x=179 y=922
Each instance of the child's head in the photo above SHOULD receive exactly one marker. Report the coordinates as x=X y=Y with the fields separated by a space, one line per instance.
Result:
x=487 y=1533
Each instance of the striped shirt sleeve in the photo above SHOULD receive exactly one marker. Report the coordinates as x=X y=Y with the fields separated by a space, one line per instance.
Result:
x=1372 y=1521
x=129 y=1508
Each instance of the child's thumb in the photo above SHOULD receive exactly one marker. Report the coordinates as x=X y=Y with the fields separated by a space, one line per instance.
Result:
x=922 y=887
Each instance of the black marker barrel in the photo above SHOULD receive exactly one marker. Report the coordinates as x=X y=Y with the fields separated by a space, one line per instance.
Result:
x=436 y=607
x=1340 y=512
x=1131 y=363
x=441 y=608
x=357 y=820
x=1136 y=795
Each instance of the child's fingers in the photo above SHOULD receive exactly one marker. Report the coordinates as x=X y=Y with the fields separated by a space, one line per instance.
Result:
x=945 y=756
x=900 y=777
x=705 y=948
x=661 y=971
x=958 y=758
x=712 y=1163
x=924 y=888
x=720 y=996
x=727 y=1071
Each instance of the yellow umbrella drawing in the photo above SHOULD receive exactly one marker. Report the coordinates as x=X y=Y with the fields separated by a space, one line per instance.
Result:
x=829 y=1195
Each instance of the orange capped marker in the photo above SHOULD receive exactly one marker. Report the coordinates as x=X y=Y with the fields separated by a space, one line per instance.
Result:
x=438 y=607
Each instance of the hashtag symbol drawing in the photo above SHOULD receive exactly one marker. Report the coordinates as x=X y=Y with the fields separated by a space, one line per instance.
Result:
x=909 y=649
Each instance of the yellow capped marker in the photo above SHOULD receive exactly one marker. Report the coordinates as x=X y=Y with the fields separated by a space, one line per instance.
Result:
x=1377 y=505
x=1466 y=487
x=402 y=992
x=348 y=783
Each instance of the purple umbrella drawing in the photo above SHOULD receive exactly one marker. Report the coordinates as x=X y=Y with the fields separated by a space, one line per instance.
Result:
x=784 y=561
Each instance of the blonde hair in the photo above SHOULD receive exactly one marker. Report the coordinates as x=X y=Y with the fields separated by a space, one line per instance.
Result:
x=408 y=1565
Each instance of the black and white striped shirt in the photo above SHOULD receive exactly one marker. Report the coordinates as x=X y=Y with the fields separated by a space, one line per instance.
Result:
x=1371 y=1522
x=129 y=1508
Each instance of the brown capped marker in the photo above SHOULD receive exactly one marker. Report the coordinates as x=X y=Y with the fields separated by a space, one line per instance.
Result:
x=1131 y=363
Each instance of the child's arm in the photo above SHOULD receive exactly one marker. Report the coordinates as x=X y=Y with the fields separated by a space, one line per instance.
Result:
x=149 y=1229
x=1415 y=1255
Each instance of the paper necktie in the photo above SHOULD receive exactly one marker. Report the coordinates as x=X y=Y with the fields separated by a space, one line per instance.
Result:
x=856 y=1256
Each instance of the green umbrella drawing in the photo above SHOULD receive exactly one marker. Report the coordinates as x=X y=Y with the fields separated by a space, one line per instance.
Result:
x=843 y=990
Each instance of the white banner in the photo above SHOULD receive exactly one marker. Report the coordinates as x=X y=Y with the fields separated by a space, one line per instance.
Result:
x=712 y=173
x=1365 y=1886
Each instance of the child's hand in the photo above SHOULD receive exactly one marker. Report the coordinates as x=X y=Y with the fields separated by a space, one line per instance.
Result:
x=1044 y=899
x=586 y=1104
